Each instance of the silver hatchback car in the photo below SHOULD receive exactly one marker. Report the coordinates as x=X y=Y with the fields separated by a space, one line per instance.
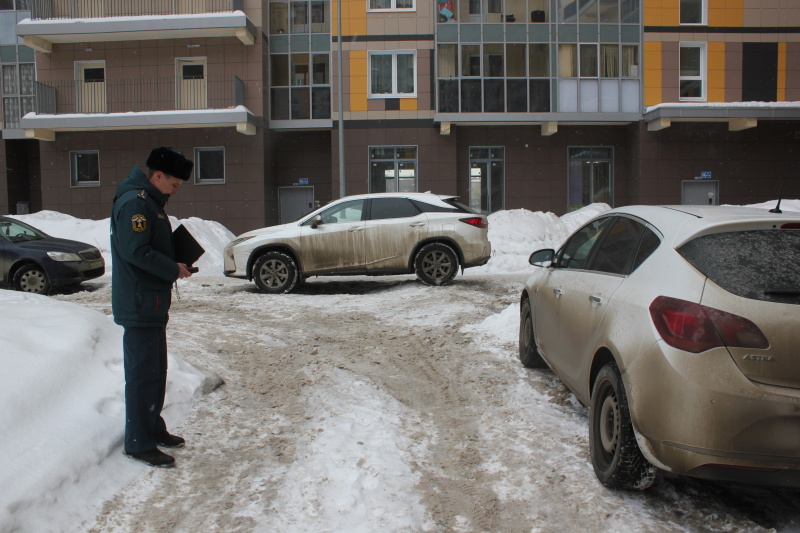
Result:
x=679 y=328
x=371 y=234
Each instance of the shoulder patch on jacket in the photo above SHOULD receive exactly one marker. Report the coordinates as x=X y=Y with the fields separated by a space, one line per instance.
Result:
x=142 y=194
x=139 y=223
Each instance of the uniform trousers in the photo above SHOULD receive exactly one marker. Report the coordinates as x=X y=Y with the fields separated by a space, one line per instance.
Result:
x=145 y=355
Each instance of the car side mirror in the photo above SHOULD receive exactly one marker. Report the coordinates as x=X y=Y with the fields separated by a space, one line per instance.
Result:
x=542 y=258
x=316 y=221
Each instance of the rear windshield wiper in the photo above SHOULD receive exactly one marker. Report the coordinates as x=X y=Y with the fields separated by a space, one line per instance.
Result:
x=783 y=292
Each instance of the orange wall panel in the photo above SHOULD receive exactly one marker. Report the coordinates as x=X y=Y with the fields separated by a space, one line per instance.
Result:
x=653 y=84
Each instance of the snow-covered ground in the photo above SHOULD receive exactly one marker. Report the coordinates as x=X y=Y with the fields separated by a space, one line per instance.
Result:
x=62 y=395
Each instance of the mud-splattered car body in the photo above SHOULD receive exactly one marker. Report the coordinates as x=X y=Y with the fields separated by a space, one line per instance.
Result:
x=372 y=234
x=677 y=326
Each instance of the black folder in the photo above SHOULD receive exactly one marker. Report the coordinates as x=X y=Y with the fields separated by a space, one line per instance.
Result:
x=187 y=249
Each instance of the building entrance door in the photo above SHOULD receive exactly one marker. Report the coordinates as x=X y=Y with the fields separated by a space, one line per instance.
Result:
x=700 y=192
x=487 y=178
x=91 y=87
x=295 y=202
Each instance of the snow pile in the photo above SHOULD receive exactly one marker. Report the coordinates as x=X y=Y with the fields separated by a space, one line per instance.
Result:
x=516 y=233
x=62 y=391
x=212 y=236
x=63 y=407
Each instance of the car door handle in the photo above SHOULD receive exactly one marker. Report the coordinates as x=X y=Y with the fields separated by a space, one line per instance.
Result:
x=356 y=228
x=417 y=224
x=596 y=300
x=558 y=292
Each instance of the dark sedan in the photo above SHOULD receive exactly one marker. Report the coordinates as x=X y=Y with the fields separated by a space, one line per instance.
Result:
x=33 y=261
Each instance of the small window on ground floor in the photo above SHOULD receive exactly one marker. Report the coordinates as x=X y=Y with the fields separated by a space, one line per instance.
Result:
x=84 y=168
x=393 y=169
x=209 y=165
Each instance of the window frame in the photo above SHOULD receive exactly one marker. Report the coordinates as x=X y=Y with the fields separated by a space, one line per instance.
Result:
x=393 y=7
x=396 y=162
x=702 y=77
x=394 y=54
x=198 y=180
x=703 y=4
x=74 y=182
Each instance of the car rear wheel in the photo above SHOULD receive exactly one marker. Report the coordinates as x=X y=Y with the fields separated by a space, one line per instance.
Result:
x=32 y=278
x=617 y=460
x=436 y=264
x=528 y=353
x=275 y=273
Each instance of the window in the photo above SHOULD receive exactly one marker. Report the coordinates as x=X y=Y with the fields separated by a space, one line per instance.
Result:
x=392 y=74
x=591 y=177
x=350 y=211
x=692 y=71
x=300 y=86
x=209 y=165
x=391 y=5
x=693 y=12
x=756 y=264
x=383 y=208
x=617 y=251
x=393 y=169
x=575 y=253
x=759 y=72
x=84 y=168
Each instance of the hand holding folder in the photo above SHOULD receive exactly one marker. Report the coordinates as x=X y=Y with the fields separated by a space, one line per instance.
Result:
x=187 y=249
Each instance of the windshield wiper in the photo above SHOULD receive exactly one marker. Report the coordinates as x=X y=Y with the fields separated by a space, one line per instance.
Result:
x=783 y=292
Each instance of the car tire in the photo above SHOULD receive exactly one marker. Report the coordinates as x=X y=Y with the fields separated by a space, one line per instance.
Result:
x=436 y=264
x=32 y=278
x=617 y=460
x=529 y=355
x=275 y=273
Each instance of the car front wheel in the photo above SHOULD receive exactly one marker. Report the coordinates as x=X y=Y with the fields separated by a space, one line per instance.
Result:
x=32 y=278
x=528 y=353
x=617 y=460
x=275 y=273
x=436 y=264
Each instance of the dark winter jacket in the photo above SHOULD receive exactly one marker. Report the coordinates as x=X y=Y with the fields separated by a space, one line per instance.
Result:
x=142 y=253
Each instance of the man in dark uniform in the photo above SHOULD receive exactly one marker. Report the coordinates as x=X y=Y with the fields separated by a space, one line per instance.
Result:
x=143 y=271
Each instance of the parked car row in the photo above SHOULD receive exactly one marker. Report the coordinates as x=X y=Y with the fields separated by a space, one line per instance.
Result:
x=678 y=328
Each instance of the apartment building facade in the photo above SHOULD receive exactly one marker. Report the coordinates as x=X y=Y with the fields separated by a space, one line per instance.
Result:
x=536 y=104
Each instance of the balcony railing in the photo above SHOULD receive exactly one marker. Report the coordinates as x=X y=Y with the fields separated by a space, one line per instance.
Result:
x=138 y=95
x=67 y=9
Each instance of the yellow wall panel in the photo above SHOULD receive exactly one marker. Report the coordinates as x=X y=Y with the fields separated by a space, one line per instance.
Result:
x=358 y=80
x=408 y=104
x=670 y=16
x=716 y=72
x=652 y=13
x=652 y=73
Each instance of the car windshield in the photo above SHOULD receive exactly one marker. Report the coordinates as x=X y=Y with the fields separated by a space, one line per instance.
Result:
x=16 y=231
x=760 y=265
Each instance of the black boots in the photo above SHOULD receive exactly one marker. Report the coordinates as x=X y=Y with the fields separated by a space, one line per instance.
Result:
x=154 y=457
x=165 y=440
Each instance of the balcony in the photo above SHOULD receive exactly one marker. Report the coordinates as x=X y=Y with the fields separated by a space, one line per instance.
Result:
x=138 y=103
x=86 y=21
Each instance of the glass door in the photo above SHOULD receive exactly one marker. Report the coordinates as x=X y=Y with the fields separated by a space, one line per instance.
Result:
x=487 y=179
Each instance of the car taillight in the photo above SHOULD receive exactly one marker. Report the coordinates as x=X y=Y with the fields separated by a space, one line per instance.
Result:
x=478 y=222
x=696 y=328
x=791 y=225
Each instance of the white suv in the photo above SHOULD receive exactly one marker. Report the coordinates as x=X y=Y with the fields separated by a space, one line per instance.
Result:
x=371 y=234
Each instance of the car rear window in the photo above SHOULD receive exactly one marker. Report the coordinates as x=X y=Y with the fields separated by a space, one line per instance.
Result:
x=455 y=207
x=760 y=265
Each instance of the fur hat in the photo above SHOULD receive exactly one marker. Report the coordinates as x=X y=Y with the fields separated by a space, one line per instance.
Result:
x=170 y=162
